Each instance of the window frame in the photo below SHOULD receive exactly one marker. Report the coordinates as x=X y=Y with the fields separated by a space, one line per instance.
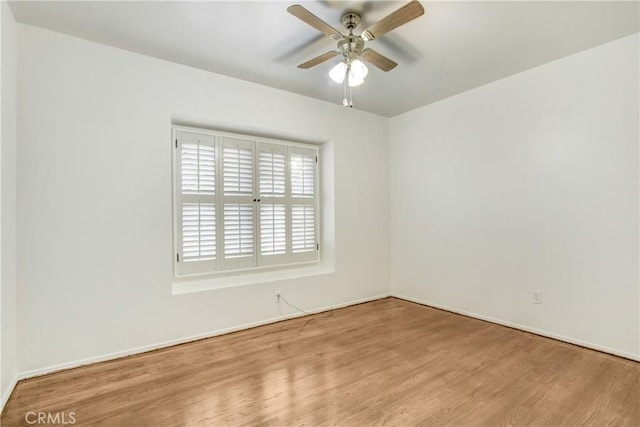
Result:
x=217 y=267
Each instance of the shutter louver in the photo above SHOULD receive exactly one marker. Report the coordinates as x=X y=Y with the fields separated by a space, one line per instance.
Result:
x=302 y=175
x=238 y=230
x=198 y=231
x=238 y=171
x=207 y=169
x=272 y=170
x=189 y=168
x=303 y=234
x=273 y=229
x=198 y=168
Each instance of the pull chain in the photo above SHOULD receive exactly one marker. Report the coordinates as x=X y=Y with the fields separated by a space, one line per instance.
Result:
x=345 y=83
x=347 y=101
x=350 y=97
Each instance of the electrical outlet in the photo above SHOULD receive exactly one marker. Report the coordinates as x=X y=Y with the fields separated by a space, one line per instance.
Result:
x=278 y=297
x=537 y=297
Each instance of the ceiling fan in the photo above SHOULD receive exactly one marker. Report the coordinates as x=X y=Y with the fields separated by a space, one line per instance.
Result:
x=351 y=70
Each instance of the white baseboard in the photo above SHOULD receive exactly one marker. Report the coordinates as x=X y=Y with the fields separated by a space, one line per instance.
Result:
x=170 y=343
x=634 y=357
x=137 y=350
x=7 y=393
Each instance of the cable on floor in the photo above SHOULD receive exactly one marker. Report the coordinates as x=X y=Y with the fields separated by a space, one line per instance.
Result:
x=304 y=312
x=293 y=306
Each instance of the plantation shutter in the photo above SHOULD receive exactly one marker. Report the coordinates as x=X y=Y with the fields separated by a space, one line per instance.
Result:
x=303 y=207
x=239 y=203
x=272 y=207
x=196 y=194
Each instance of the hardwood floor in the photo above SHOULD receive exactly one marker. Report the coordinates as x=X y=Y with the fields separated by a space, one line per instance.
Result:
x=388 y=362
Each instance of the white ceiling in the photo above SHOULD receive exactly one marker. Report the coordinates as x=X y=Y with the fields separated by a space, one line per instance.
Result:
x=454 y=47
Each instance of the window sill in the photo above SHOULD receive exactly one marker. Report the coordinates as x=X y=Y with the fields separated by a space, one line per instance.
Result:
x=249 y=278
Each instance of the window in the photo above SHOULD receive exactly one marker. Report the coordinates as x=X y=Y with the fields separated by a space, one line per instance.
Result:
x=243 y=202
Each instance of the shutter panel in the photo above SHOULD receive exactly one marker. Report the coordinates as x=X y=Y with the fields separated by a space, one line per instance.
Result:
x=207 y=169
x=273 y=229
x=303 y=233
x=198 y=231
x=189 y=168
x=303 y=166
x=272 y=171
x=303 y=208
x=272 y=208
x=238 y=230
x=198 y=163
x=196 y=213
x=238 y=170
x=239 y=207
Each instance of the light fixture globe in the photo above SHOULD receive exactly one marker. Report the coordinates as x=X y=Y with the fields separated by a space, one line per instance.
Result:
x=358 y=71
x=337 y=73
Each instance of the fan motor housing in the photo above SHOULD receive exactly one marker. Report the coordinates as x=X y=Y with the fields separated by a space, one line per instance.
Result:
x=351 y=46
x=350 y=20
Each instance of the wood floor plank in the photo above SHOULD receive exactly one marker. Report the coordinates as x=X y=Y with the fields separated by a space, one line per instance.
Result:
x=384 y=363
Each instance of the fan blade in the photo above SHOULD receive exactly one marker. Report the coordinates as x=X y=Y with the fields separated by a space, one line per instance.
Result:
x=380 y=61
x=311 y=19
x=406 y=13
x=318 y=60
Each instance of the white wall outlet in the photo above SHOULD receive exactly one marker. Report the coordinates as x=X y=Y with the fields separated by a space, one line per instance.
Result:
x=537 y=297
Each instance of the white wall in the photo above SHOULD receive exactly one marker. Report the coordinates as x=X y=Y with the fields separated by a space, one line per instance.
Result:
x=8 y=341
x=94 y=199
x=527 y=183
